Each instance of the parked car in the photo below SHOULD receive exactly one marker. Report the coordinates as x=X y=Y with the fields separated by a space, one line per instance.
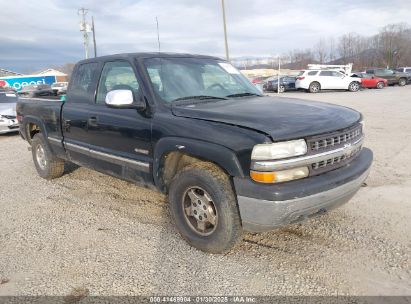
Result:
x=287 y=83
x=59 y=88
x=8 y=120
x=258 y=80
x=406 y=70
x=370 y=81
x=36 y=90
x=229 y=158
x=314 y=81
x=393 y=77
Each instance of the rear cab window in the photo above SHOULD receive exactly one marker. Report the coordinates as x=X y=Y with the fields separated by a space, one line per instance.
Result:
x=83 y=84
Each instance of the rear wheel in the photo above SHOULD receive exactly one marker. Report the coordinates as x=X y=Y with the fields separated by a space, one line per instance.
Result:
x=204 y=208
x=380 y=85
x=402 y=82
x=314 y=87
x=354 y=86
x=281 y=89
x=48 y=166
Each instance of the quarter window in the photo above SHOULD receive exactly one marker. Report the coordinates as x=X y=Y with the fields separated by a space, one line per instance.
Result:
x=312 y=73
x=82 y=88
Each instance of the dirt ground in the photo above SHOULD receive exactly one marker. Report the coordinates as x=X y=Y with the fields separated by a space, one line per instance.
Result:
x=91 y=232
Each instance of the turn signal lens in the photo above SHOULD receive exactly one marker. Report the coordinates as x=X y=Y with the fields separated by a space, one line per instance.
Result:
x=279 y=176
x=263 y=177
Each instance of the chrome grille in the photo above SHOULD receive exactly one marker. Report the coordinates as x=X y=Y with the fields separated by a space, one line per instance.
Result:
x=333 y=140
x=335 y=162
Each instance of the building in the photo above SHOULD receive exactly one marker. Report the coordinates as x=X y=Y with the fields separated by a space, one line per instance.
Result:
x=5 y=73
x=18 y=81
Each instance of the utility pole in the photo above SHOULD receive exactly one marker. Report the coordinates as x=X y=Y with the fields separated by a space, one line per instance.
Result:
x=158 y=36
x=83 y=28
x=94 y=36
x=225 y=32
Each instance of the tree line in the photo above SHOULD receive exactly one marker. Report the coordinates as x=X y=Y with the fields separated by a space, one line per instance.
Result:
x=391 y=47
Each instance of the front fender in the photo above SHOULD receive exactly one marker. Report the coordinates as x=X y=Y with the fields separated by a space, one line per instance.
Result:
x=207 y=151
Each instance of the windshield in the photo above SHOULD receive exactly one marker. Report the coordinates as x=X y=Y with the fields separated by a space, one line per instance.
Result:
x=8 y=98
x=181 y=78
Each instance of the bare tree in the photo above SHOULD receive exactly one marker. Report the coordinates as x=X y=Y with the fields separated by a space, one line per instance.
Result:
x=320 y=51
x=392 y=43
x=331 y=49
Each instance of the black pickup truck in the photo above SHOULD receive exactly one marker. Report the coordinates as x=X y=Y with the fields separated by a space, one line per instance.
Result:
x=229 y=158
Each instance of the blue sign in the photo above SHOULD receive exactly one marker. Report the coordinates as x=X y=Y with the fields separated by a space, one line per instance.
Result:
x=19 y=82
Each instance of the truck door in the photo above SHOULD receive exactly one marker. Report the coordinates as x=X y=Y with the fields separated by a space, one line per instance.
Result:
x=76 y=111
x=120 y=139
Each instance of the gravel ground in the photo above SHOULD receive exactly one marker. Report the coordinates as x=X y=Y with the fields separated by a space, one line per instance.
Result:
x=91 y=232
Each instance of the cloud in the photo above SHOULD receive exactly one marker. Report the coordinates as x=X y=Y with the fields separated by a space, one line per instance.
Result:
x=45 y=33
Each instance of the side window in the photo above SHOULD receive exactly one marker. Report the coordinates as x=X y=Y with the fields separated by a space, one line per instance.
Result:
x=336 y=74
x=326 y=73
x=312 y=73
x=116 y=75
x=81 y=89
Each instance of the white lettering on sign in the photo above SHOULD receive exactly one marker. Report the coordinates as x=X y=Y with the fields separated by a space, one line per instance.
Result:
x=229 y=68
x=23 y=84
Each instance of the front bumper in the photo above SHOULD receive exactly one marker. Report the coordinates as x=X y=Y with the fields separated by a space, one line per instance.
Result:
x=267 y=206
x=8 y=125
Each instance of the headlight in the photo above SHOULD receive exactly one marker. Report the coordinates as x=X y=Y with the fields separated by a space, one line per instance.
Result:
x=279 y=150
x=279 y=176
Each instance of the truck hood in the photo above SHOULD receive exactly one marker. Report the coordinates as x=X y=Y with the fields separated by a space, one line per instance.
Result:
x=8 y=109
x=279 y=117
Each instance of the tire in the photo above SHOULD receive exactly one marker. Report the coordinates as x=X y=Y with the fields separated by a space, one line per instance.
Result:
x=314 y=87
x=48 y=166
x=380 y=85
x=354 y=86
x=281 y=89
x=211 y=189
x=402 y=82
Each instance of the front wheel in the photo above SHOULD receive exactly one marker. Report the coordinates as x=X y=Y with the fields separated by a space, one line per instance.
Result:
x=354 y=86
x=380 y=85
x=281 y=89
x=402 y=82
x=204 y=208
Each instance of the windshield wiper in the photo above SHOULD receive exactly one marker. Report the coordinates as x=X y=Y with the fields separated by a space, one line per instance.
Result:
x=198 y=97
x=243 y=94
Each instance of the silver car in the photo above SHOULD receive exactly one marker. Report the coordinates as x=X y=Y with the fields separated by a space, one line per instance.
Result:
x=8 y=120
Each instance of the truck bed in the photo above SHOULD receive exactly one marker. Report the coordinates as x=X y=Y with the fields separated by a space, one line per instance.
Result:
x=46 y=110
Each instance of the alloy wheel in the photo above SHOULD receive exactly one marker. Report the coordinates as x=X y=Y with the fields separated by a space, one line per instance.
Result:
x=199 y=211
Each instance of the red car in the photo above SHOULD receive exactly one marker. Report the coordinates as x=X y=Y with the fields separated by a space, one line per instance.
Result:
x=370 y=81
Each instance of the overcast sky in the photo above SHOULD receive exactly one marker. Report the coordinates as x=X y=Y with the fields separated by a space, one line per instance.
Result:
x=39 y=34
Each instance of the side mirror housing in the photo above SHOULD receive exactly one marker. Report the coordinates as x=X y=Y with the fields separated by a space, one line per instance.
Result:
x=124 y=99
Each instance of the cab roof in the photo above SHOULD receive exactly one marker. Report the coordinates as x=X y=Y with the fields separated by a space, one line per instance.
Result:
x=147 y=55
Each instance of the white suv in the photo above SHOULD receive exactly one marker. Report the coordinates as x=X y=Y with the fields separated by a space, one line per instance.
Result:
x=316 y=80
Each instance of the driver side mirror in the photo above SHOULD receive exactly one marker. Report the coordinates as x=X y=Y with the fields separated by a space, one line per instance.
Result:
x=124 y=99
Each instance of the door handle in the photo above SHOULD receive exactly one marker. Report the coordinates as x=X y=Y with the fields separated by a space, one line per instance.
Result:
x=92 y=121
